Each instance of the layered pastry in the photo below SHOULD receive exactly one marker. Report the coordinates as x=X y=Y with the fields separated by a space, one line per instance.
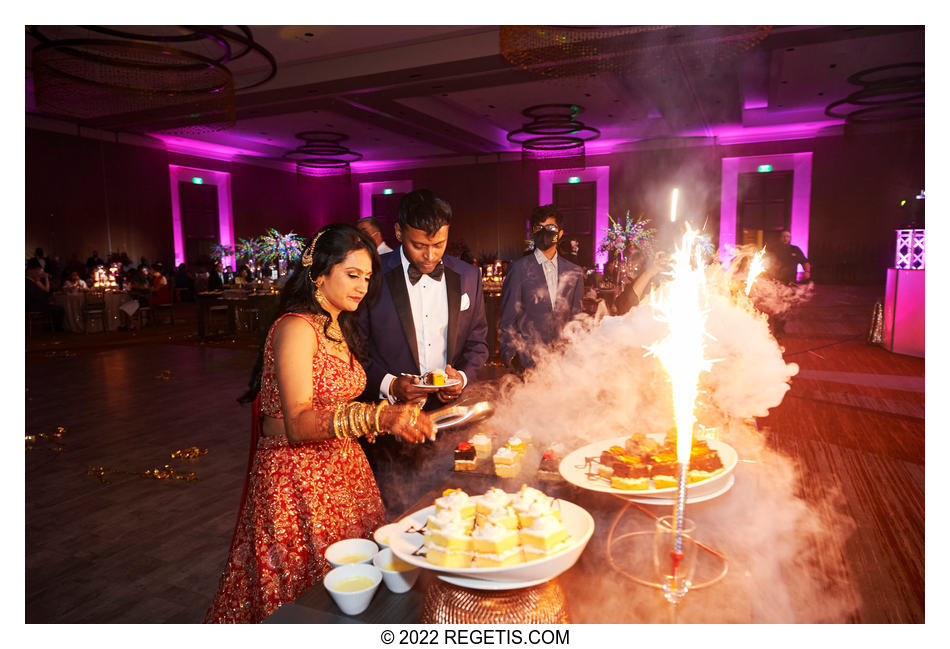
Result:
x=491 y=500
x=665 y=473
x=507 y=463
x=482 y=444
x=630 y=473
x=516 y=444
x=458 y=501
x=496 y=546
x=465 y=457
x=445 y=517
x=502 y=516
x=523 y=499
x=549 y=468
x=608 y=459
x=546 y=536
x=703 y=464
x=544 y=506
x=452 y=546
x=640 y=445
x=435 y=377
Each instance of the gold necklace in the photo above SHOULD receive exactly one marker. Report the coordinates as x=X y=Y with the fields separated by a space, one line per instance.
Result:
x=331 y=332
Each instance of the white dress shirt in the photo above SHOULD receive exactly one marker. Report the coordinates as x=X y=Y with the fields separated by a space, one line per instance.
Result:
x=382 y=248
x=429 y=302
x=549 y=266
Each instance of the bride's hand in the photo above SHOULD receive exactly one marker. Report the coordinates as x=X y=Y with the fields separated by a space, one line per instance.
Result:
x=407 y=422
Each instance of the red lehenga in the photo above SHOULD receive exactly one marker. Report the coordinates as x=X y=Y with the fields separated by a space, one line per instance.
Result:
x=298 y=499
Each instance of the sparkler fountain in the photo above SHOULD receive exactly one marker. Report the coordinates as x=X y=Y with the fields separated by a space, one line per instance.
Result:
x=681 y=306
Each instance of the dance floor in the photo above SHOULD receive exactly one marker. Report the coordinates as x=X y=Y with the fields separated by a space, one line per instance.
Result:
x=108 y=541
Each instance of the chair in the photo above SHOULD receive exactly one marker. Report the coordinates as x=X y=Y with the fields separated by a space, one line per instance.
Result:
x=39 y=317
x=165 y=308
x=250 y=318
x=217 y=309
x=93 y=308
x=143 y=316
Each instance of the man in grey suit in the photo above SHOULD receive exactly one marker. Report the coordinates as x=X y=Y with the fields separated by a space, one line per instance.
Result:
x=542 y=292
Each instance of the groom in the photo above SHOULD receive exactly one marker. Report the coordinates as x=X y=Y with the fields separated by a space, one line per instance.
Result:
x=430 y=315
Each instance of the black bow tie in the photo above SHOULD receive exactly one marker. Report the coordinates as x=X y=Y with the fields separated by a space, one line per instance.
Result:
x=415 y=274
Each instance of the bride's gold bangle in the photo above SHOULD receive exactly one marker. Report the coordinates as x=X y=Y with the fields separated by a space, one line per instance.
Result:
x=379 y=408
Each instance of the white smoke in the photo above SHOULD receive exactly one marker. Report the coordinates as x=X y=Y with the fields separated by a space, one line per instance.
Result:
x=784 y=552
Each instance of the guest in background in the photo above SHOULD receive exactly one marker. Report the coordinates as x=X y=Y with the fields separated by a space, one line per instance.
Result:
x=185 y=281
x=636 y=272
x=430 y=316
x=74 y=284
x=371 y=227
x=216 y=277
x=243 y=277
x=785 y=261
x=542 y=292
x=469 y=258
x=94 y=260
x=308 y=484
x=40 y=259
x=39 y=294
x=159 y=291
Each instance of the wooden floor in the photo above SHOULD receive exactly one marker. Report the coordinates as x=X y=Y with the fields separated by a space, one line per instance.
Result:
x=140 y=549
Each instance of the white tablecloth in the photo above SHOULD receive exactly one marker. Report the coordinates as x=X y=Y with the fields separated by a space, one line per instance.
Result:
x=73 y=304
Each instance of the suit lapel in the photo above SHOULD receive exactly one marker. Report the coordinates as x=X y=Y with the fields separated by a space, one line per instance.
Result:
x=400 y=295
x=453 y=290
x=541 y=281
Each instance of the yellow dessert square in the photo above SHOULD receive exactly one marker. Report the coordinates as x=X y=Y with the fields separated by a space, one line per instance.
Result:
x=449 y=559
x=448 y=541
x=496 y=546
x=515 y=556
x=530 y=539
x=504 y=516
x=663 y=481
x=526 y=519
x=507 y=470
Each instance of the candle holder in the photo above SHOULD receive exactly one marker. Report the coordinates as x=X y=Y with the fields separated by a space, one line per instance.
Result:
x=674 y=556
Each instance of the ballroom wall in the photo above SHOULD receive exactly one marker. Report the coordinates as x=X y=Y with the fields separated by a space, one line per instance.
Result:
x=80 y=191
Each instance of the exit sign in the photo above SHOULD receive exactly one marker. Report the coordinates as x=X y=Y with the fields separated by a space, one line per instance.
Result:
x=387 y=191
x=198 y=181
x=765 y=169
x=574 y=179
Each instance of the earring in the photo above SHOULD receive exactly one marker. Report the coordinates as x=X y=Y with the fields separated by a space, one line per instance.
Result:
x=320 y=297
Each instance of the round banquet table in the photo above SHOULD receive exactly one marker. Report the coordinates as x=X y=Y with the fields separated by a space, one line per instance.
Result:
x=73 y=304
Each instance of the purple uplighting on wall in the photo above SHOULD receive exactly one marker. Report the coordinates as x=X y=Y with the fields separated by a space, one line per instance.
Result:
x=738 y=134
x=202 y=149
x=799 y=163
x=220 y=179
x=599 y=175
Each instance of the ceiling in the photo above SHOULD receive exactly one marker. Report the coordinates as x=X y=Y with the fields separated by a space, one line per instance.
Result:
x=422 y=95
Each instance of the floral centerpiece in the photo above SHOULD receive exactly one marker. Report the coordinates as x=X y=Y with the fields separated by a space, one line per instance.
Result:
x=282 y=248
x=619 y=238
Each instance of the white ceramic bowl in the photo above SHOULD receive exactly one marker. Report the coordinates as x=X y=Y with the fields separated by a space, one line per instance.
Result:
x=349 y=551
x=383 y=534
x=398 y=581
x=352 y=602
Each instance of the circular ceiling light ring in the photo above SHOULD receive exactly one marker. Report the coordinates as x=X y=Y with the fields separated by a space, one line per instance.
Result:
x=549 y=110
x=553 y=143
x=300 y=154
x=859 y=97
x=318 y=149
x=197 y=63
x=323 y=163
x=584 y=133
x=872 y=113
x=857 y=78
x=321 y=136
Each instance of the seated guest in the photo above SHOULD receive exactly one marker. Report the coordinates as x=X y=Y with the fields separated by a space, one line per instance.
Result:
x=159 y=292
x=542 y=292
x=38 y=294
x=243 y=277
x=74 y=284
x=185 y=280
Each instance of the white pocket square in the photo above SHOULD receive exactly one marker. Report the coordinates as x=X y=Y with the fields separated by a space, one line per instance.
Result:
x=465 y=302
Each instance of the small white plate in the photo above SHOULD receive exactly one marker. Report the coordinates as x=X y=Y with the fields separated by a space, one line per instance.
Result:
x=690 y=498
x=484 y=584
x=448 y=384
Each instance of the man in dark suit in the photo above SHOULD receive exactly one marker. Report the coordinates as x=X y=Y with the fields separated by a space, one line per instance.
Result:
x=542 y=292
x=430 y=315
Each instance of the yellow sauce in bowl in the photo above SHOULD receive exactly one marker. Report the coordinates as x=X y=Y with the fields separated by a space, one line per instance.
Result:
x=397 y=566
x=352 y=558
x=352 y=584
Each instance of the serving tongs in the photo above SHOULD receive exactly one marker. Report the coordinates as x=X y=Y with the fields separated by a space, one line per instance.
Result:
x=451 y=416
